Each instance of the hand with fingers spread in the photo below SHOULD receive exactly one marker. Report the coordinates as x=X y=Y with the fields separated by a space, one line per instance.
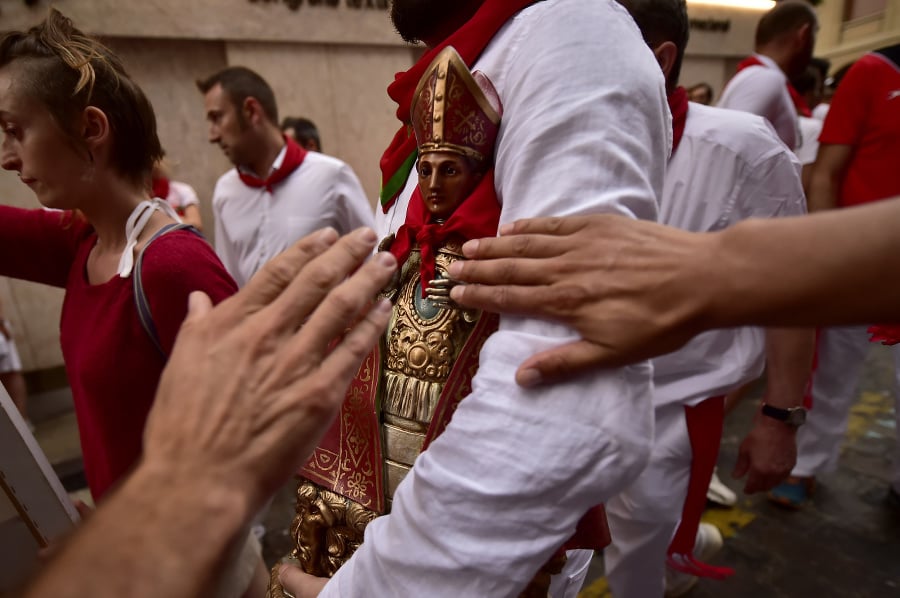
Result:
x=627 y=286
x=269 y=378
x=251 y=386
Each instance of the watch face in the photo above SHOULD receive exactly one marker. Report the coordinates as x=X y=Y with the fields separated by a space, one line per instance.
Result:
x=797 y=417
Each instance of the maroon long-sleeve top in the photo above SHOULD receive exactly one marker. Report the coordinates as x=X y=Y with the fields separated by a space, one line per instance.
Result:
x=112 y=365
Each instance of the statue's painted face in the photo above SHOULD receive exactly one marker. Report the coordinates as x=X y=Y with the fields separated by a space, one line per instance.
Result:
x=445 y=180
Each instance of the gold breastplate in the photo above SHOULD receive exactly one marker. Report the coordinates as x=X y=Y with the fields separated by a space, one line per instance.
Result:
x=422 y=342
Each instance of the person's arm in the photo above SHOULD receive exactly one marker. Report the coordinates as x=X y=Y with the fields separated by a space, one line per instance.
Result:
x=192 y=216
x=630 y=288
x=189 y=204
x=39 y=245
x=842 y=130
x=223 y=244
x=504 y=485
x=827 y=176
x=769 y=451
x=251 y=386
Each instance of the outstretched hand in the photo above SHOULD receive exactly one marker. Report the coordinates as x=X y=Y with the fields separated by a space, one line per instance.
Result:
x=253 y=383
x=630 y=288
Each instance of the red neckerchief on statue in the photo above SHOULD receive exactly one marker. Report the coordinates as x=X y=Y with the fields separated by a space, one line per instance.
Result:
x=469 y=40
x=293 y=158
x=476 y=217
x=161 y=187
x=678 y=105
x=799 y=102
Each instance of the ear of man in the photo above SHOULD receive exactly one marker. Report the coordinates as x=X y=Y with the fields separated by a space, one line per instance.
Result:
x=253 y=111
x=666 y=55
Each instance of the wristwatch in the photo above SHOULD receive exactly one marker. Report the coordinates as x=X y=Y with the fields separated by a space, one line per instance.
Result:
x=793 y=416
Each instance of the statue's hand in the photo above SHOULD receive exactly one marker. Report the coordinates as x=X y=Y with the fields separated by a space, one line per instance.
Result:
x=438 y=291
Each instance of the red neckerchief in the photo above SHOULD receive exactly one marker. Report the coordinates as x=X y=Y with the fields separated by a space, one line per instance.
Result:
x=293 y=158
x=799 y=102
x=476 y=217
x=469 y=40
x=886 y=334
x=678 y=105
x=704 y=427
x=161 y=187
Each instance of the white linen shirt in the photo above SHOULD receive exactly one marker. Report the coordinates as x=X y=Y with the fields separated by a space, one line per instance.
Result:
x=254 y=225
x=585 y=129
x=730 y=166
x=762 y=90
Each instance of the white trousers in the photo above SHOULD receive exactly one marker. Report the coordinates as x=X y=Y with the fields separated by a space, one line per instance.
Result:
x=842 y=353
x=568 y=582
x=643 y=518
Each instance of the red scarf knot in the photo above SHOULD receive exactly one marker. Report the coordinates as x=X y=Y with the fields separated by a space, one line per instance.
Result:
x=476 y=217
x=293 y=158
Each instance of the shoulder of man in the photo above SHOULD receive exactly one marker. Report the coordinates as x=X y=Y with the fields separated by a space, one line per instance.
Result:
x=742 y=132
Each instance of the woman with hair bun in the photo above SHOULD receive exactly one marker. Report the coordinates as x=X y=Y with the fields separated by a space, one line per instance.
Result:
x=82 y=135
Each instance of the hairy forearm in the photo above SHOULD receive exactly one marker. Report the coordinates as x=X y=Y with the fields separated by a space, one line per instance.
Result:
x=837 y=267
x=789 y=353
x=148 y=540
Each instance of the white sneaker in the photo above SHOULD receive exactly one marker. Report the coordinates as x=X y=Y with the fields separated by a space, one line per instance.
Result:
x=719 y=493
x=709 y=542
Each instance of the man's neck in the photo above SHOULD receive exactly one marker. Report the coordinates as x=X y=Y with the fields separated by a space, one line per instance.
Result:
x=779 y=56
x=270 y=146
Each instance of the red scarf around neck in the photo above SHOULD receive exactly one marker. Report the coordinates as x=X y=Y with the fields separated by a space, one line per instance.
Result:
x=799 y=102
x=293 y=158
x=470 y=41
x=678 y=105
x=476 y=217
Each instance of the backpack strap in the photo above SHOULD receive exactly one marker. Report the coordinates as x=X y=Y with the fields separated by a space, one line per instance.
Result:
x=140 y=297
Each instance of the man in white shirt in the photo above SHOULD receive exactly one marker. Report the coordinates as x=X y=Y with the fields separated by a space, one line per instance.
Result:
x=725 y=167
x=785 y=37
x=584 y=130
x=277 y=192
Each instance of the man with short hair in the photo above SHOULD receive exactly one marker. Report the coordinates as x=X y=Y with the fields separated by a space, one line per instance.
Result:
x=277 y=192
x=726 y=166
x=785 y=37
x=304 y=132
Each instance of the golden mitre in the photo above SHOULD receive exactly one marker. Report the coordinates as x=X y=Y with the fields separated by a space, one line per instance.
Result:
x=455 y=110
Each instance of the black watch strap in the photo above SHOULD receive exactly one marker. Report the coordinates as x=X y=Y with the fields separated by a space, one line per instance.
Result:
x=794 y=416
